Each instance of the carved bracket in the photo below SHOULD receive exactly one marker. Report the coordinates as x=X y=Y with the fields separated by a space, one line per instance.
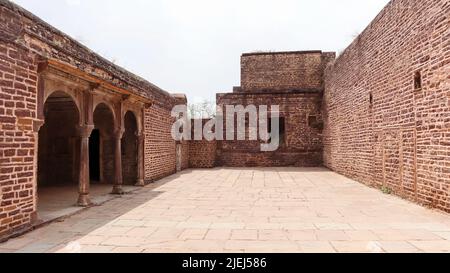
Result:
x=93 y=86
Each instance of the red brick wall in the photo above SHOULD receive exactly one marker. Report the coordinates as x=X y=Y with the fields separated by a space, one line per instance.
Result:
x=283 y=70
x=202 y=154
x=18 y=81
x=303 y=143
x=379 y=129
x=160 y=147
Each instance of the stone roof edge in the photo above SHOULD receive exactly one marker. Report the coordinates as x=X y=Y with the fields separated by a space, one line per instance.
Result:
x=282 y=53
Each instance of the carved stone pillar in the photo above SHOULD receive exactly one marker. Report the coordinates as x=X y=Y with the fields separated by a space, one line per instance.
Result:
x=140 y=160
x=118 y=181
x=84 y=183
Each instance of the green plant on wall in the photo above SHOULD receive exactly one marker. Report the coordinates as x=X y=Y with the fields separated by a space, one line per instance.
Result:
x=386 y=190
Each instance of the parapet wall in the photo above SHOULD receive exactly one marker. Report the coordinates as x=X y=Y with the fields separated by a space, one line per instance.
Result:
x=387 y=104
x=281 y=71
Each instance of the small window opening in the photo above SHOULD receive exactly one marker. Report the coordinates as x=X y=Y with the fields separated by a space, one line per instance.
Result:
x=315 y=123
x=312 y=121
x=417 y=80
x=371 y=99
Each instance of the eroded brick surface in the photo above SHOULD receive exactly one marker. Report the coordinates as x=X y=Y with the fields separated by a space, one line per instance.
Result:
x=17 y=140
x=380 y=128
x=283 y=70
x=160 y=148
x=301 y=143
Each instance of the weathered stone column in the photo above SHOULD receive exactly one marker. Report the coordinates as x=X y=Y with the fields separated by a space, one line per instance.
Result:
x=140 y=160
x=118 y=181
x=83 y=184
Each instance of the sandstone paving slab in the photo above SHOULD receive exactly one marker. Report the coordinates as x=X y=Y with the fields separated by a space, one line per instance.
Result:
x=398 y=247
x=316 y=247
x=259 y=210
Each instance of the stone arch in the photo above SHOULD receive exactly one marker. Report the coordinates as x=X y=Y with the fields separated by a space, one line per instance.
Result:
x=130 y=148
x=58 y=140
x=137 y=115
x=101 y=144
x=62 y=92
x=110 y=106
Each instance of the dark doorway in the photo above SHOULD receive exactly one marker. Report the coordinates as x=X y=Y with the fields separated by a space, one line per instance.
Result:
x=57 y=153
x=94 y=156
x=58 y=157
x=103 y=147
x=130 y=150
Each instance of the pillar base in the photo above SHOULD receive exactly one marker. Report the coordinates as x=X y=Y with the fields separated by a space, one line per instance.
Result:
x=140 y=183
x=117 y=190
x=84 y=200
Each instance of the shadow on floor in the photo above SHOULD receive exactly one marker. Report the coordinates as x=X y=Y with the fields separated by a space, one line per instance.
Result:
x=57 y=205
x=60 y=201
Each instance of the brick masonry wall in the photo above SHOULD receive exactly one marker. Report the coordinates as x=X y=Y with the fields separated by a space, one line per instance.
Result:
x=283 y=70
x=160 y=148
x=18 y=81
x=202 y=154
x=379 y=128
x=302 y=142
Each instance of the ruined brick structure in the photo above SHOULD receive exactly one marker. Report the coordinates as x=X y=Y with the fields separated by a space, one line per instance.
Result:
x=379 y=113
x=294 y=82
x=387 y=104
x=283 y=71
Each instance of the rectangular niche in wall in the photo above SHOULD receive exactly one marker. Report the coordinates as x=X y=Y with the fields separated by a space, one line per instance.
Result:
x=417 y=80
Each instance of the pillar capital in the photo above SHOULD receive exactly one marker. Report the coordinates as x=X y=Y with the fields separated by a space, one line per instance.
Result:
x=139 y=135
x=118 y=133
x=85 y=131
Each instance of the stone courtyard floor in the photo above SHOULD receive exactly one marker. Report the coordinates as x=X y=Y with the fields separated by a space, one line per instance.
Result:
x=247 y=210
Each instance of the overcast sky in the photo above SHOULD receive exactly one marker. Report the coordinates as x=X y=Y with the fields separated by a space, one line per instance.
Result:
x=194 y=46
